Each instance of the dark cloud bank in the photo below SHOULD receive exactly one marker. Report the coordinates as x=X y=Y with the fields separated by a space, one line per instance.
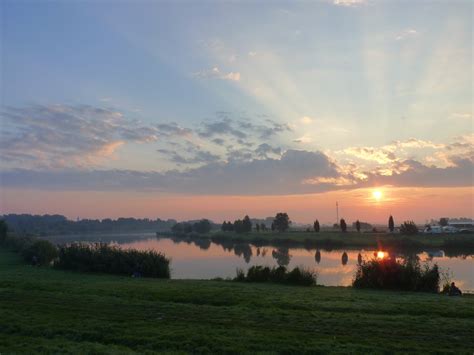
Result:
x=257 y=177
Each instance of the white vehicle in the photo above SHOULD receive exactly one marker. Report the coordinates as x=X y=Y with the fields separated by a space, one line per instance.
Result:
x=450 y=229
x=433 y=230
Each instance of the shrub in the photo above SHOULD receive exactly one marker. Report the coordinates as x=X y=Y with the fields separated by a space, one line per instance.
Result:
x=17 y=244
x=40 y=252
x=390 y=274
x=297 y=276
x=3 y=231
x=409 y=228
x=99 y=257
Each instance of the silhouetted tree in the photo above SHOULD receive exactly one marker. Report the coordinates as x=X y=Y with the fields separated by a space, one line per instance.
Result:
x=273 y=226
x=316 y=226
x=203 y=226
x=359 y=259
x=344 y=258
x=282 y=222
x=263 y=227
x=443 y=222
x=358 y=226
x=282 y=256
x=238 y=226
x=224 y=227
x=343 y=225
x=188 y=227
x=317 y=256
x=247 y=224
x=177 y=228
x=257 y=227
x=3 y=230
x=408 y=228
x=391 y=224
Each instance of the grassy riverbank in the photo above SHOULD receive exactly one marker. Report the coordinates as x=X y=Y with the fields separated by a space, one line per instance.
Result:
x=447 y=242
x=46 y=310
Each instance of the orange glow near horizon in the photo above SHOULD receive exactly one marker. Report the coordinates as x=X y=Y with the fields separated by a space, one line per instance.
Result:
x=380 y=254
x=418 y=204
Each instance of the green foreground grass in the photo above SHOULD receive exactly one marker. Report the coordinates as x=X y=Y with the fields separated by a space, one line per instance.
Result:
x=52 y=311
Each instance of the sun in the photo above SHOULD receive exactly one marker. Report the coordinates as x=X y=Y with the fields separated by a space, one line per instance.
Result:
x=377 y=195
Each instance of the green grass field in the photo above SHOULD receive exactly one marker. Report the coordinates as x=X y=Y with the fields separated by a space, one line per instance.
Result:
x=51 y=311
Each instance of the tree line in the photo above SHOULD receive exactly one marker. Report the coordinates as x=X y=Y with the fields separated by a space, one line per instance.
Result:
x=58 y=224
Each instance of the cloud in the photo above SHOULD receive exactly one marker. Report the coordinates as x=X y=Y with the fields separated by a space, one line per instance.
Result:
x=241 y=129
x=294 y=172
x=173 y=129
x=303 y=139
x=285 y=175
x=66 y=135
x=306 y=120
x=196 y=157
x=215 y=73
x=408 y=33
x=264 y=150
x=368 y=153
x=252 y=54
x=415 y=174
x=349 y=2
x=462 y=115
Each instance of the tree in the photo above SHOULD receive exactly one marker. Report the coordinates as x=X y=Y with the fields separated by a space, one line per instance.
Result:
x=263 y=227
x=257 y=227
x=409 y=228
x=443 y=222
x=238 y=226
x=3 y=230
x=247 y=224
x=187 y=227
x=316 y=226
x=358 y=226
x=203 y=226
x=224 y=227
x=177 y=228
x=281 y=222
x=391 y=224
x=343 y=225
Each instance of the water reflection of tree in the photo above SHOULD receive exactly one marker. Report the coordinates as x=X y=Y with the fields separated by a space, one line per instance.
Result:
x=243 y=250
x=359 y=259
x=282 y=256
x=344 y=258
x=203 y=244
x=317 y=256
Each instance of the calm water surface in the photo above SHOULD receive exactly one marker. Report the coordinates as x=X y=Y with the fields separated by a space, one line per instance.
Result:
x=202 y=259
x=205 y=260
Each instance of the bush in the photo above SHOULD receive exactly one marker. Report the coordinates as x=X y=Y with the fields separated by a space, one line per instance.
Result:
x=3 y=231
x=297 y=276
x=17 y=244
x=40 y=252
x=392 y=275
x=409 y=228
x=99 y=257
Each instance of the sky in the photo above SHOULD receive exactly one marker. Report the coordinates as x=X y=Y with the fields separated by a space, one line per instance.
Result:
x=187 y=109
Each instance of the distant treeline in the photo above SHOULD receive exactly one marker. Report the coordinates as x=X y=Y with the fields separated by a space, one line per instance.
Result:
x=58 y=224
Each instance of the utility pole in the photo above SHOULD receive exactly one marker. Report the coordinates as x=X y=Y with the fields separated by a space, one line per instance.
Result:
x=337 y=213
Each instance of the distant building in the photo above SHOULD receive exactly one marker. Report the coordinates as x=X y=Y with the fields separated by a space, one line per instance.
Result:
x=462 y=226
